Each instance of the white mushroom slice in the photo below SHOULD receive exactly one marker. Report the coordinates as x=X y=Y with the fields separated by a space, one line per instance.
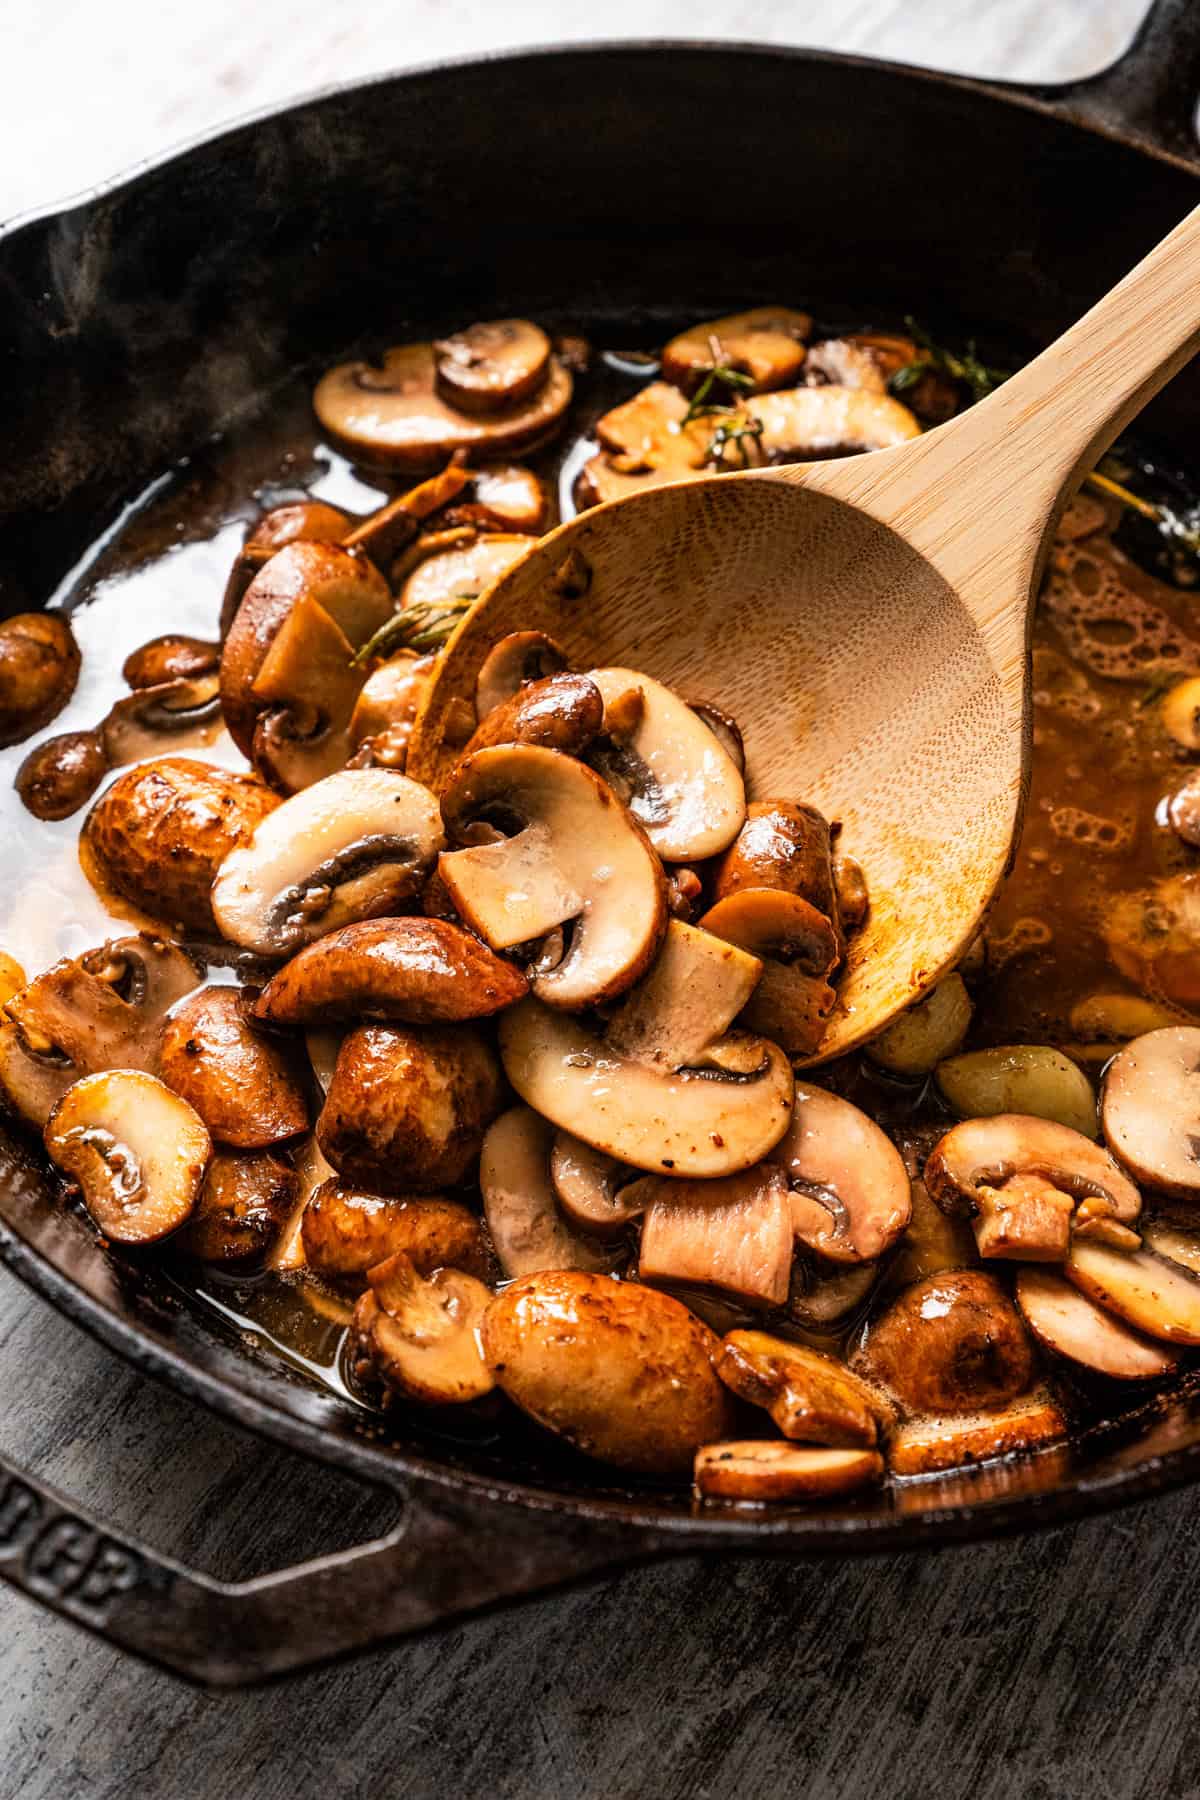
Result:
x=1153 y=1293
x=734 y=1234
x=1151 y=1109
x=137 y=1151
x=596 y=1192
x=420 y=1334
x=528 y=1230
x=972 y=1169
x=464 y=573
x=685 y=1122
x=1173 y=1234
x=1020 y=1078
x=695 y=990
x=769 y=1469
x=811 y=1397
x=574 y=857
x=354 y=846
x=929 y=1445
x=1064 y=1320
x=511 y=664
x=850 y=1193
x=683 y=788
x=814 y=420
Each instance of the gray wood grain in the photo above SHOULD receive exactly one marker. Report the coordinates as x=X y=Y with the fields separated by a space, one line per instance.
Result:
x=1054 y=1666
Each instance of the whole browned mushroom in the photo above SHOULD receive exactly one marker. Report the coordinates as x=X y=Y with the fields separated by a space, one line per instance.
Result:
x=39 y=666
x=62 y=774
x=244 y=1205
x=160 y=833
x=171 y=657
x=137 y=1151
x=786 y=846
x=347 y=1231
x=407 y=1108
x=951 y=1343
x=563 y=712
x=421 y=971
x=243 y=1085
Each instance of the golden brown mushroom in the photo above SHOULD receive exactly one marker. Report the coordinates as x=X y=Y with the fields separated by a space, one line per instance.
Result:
x=347 y=1231
x=491 y=366
x=766 y=344
x=243 y=1085
x=810 y=1397
x=171 y=657
x=563 y=712
x=850 y=1192
x=136 y=1150
x=764 y=1469
x=144 y=723
x=951 y=1343
x=62 y=774
x=513 y=663
x=528 y=1230
x=244 y=1205
x=929 y=1445
x=421 y=971
x=420 y=1335
x=39 y=666
x=1064 y=1320
x=733 y=1234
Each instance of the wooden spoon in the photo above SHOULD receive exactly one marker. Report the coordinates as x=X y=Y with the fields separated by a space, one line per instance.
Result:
x=866 y=620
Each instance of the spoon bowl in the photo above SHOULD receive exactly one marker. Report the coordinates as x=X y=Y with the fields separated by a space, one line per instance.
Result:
x=866 y=621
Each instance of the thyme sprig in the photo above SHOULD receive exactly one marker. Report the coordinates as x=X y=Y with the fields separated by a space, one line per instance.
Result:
x=702 y=403
x=734 y=432
x=423 y=626
x=935 y=359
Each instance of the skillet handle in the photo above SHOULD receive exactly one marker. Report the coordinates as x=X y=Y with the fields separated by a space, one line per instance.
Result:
x=448 y=1555
x=1149 y=94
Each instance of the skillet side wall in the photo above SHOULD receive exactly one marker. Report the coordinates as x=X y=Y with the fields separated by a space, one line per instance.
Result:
x=606 y=187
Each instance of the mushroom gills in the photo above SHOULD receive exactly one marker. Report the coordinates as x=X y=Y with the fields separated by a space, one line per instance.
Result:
x=136 y=1150
x=511 y=664
x=850 y=1193
x=352 y=846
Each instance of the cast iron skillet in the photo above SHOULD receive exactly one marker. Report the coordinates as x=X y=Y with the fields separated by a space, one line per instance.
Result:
x=607 y=187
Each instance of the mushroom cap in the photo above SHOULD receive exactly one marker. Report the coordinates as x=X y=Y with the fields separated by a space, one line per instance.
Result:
x=39 y=666
x=244 y=1205
x=687 y=793
x=244 y=1087
x=810 y=1396
x=528 y=1230
x=1150 y=1110
x=798 y=947
x=140 y=725
x=61 y=774
x=503 y=497
x=576 y=856
x=645 y=442
x=764 y=1469
x=1064 y=1320
x=421 y=1335
x=734 y=1234
x=390 y=695
x=951 y=1343
x=137 y=1151
x=422 y=971
x=161 y=832
x=563 y=712
x=347 y=1231
x=309 y=687
x=491 y=365
x=393 y=416
x=979 y=1157
x=851 y=1195
x=352 y=846
x=686 y=1123
x=782 y=845
x=512 y=663
x=765 y=343
x=171 y=657
x=623 y=1372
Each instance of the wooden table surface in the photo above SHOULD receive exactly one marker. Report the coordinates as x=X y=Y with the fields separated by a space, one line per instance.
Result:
x=1053 y=1666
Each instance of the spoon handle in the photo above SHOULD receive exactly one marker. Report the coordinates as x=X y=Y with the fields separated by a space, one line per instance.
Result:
x=981 y=495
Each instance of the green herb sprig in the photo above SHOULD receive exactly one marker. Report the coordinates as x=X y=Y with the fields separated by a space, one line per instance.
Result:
x=423 y=626
x=702 y=403
x=735 y=432
x=935 y=359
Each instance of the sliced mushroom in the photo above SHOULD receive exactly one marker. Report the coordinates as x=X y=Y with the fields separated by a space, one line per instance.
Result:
x=1064 y=1320
x=1180 y=713
x=527 y=1228
x=798 y=948
x=620 y=1371
x=684 y=1006
x=309 y=686
x=354 y=846
x=347 y=1231
x=392 y=414
x=975 y=1165
x=928 y=1446
x=421 y=1335
x=809 y=1396
x=785 y=846
x=927 y=1033
x=843 y=362
x=725 y=729
x=392 y=527
x=1153 y=937
x=1020 y=1078
x=309 y=521
x=766 y=344
x=763 y=1469
x=62 y=774
x=596 y=1192
x=1149 y=1291
x=163 y=830
x=707 y=1120
x=850 y=1191
x=243 y=1209
x=463 y=572
x=512 y=664
x=243 y=1086
x=421 y=971
x=564 y=712
x=99 y=1011
x=1151 y=1109
x=1183 y=810
x=144 y=722
x=348 y=589
x=734 y=1234
x=933 y=1242
x=503 y=497
x=681 y=786
x=39 y=666
x=573 y=856
x=12 y=977
x=825 y=1296
x=1172 y=1232
x=407 y=1108
x=389 y=697
x=171 y=657
x=493 y=365
x=645 y=442
x=812 y=421
x=951 y=1343
x=136 y=1150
